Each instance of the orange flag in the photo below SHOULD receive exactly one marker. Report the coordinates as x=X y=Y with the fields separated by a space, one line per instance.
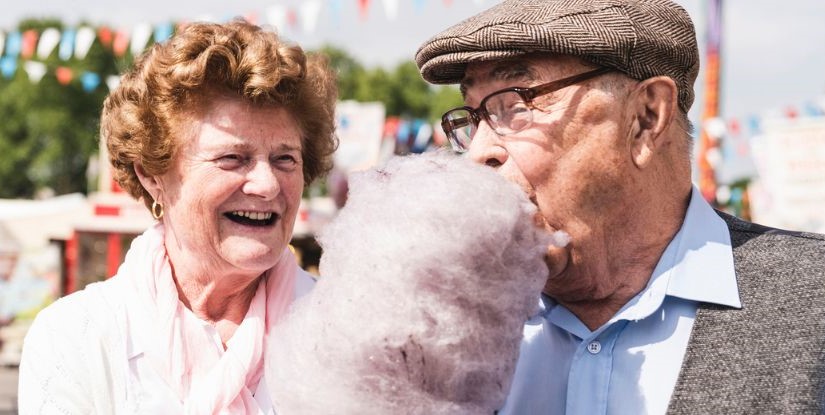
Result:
x=363 y=8
x=121 y=43
x=29 y=44
x=105 y=36
x=64 y=75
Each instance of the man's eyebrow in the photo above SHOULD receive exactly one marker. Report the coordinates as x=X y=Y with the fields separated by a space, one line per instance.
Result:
x=506 y=71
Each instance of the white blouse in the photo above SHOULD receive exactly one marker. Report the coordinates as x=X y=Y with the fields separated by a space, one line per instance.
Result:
x=81 y=356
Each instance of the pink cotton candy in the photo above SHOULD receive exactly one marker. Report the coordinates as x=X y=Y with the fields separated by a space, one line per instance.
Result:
x=428 y=275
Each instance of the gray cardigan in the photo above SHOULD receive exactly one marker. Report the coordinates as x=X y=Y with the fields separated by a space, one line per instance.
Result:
x=768 y=357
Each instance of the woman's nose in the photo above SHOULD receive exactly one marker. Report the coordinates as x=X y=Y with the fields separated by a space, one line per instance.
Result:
x=262 y=181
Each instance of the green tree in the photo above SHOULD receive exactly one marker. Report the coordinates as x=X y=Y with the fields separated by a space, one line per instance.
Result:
x=49 y=130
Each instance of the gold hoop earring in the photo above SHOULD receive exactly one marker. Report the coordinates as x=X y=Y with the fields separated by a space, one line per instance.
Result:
x=157 y=210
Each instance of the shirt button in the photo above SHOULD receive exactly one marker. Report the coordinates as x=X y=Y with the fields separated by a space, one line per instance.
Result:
x=594 y=347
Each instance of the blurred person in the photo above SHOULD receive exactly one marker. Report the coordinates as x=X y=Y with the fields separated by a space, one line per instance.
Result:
x=218 y=130
x=659 y=303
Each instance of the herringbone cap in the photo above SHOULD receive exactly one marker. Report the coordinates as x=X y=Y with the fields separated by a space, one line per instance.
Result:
x=642 y=38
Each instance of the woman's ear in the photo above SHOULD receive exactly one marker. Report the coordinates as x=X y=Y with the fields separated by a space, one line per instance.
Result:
x=655 y=107
x=150 y=183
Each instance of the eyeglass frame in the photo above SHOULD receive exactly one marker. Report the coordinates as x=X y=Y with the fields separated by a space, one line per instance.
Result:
x=527 y=96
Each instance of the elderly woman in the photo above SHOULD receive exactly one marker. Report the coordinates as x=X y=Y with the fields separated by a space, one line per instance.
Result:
x=218 y=131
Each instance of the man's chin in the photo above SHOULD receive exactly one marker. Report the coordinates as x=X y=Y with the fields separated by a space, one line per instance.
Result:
x=557 y=259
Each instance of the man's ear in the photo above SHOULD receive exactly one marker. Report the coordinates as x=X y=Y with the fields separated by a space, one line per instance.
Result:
x=150 y=183
x=655 y=108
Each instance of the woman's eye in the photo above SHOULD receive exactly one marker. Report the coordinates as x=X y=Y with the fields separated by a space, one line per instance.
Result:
x=286 y=159
x=230 y=161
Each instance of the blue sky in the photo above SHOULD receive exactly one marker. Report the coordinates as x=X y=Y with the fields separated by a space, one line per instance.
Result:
x=774 y=52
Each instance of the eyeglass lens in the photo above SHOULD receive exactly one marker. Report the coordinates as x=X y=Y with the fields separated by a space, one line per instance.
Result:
x=506 y=112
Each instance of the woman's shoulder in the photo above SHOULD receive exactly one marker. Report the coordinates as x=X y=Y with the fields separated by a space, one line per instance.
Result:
x=78 y=313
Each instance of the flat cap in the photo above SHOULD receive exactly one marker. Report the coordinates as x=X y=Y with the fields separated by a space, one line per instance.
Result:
x=642 y=38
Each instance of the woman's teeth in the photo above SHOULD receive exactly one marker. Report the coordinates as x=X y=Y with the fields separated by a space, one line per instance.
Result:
x=253 y=215
x=252 y=218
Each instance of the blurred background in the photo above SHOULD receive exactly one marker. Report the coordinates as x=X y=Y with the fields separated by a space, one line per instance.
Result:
x=760 y=128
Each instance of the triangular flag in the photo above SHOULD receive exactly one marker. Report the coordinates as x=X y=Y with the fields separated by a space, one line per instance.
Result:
x=448 y=3
x=106 y=36
x=309 y=14
x=13 y=42
x=121 y=43
x=251 y=17
x=29 y=43
x=363 y=8
x=291 y=18
x=163 y=31
x=35 y=69
x=140 y=37
x=206 y=18
x=2 y=42
x=391 y=9
x=112 y=81
x=8 y=66
x=48 y=41
x=276 y=17
x=90 y=81
x=419 y=5
x=64 y=75
x=83 y=41
x=336 y=7
x=66 y=48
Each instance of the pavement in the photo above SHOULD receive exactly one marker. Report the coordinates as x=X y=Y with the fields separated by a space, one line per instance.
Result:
x=8 y=390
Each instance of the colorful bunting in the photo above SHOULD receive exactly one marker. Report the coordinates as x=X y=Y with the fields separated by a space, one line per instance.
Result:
x=121 y=43
x=64 y=75
x=112 y=81
x=90 y=81
x=28 y=43
x=363 y=8
x=8 y=66
x=140 y=37
x=13 y=43
x=391 y=9
x=310 y=10
x=276 y=16
x=163 y=32
x=66 y=48
x=49 y=40
x=84 y=39
x=336 y=7
x=105 y=35
x=35 y=70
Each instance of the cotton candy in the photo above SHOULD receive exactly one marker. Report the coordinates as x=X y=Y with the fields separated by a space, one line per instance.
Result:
x=427 y=277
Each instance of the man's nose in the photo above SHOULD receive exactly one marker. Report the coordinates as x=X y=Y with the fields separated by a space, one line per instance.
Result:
x=486 y=148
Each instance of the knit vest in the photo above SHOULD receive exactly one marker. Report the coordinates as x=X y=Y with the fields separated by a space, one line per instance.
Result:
x=769 y=356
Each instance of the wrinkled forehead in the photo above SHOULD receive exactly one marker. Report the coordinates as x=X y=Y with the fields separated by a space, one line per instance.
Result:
x=532 y=68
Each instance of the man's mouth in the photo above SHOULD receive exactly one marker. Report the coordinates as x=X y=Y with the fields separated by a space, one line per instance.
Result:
x=250 y=218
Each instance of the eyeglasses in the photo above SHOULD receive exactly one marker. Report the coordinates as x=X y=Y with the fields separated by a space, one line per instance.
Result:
x=507 y=111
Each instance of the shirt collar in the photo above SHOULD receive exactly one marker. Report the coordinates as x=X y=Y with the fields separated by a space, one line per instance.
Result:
x=703 y=263
x=697 y=265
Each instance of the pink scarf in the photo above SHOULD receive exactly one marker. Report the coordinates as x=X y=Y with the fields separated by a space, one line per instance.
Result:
x=206 y=379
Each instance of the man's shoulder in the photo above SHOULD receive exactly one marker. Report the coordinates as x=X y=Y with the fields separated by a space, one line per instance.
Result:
x=749 y=236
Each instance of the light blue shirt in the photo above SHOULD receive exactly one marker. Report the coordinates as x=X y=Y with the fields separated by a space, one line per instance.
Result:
x=631 y=363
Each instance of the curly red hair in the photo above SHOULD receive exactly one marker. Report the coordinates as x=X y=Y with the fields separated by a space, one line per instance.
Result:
x=140 y=116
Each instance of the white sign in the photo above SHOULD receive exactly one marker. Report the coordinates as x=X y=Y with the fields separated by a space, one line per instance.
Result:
x=790 y=159
x=360 y=127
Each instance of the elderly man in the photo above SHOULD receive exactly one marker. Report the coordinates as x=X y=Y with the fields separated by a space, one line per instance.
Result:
x=658 y=304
